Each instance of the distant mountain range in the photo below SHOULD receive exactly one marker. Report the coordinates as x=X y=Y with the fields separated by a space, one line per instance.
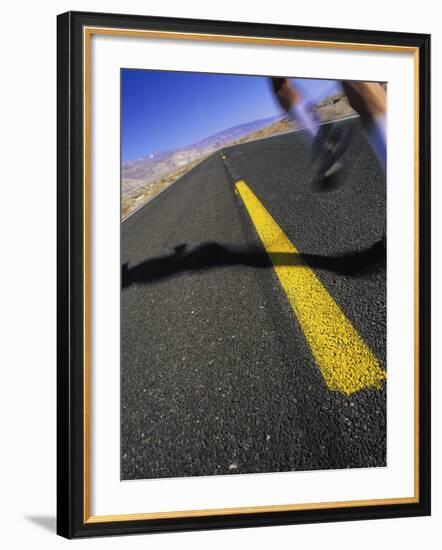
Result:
x=139 y=172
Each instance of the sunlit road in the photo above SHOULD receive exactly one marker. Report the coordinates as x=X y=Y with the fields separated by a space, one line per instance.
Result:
x=253 y=315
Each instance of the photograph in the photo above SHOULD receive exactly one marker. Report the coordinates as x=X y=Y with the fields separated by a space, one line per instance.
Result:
x=228 y=217
x=243 y=270
x=253 y=305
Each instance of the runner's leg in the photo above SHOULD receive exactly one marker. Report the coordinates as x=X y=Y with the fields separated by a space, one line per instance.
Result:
x=369 y=100
x=290 y=100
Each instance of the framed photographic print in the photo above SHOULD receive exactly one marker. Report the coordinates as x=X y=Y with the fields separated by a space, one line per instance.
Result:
x=243 y=274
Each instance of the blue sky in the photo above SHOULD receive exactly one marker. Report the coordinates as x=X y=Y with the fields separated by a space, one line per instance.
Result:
x=164 y=110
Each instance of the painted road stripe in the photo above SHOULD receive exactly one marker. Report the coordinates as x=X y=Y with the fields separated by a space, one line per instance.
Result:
x=346 y=362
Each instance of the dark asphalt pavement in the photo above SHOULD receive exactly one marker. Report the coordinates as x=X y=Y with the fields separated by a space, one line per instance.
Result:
x=216 y=374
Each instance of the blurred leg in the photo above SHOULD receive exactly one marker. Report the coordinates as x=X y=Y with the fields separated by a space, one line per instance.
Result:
x=285 y=93
x=290 y=100
x=369 y=100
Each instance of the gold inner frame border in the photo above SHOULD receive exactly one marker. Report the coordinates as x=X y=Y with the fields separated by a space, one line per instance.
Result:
x=87 y=34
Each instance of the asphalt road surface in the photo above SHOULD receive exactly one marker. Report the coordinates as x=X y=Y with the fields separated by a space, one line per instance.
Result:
x=223 y=369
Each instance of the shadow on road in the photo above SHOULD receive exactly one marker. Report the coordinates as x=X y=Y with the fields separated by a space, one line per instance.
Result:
x=212 y=255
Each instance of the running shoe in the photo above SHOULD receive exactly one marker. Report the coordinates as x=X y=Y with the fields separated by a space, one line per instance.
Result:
x=329 y=144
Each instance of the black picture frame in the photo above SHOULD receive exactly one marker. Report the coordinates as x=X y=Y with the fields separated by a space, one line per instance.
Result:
x=72 y=520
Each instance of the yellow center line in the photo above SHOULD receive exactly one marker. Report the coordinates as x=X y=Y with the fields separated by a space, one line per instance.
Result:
x=346 y=362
